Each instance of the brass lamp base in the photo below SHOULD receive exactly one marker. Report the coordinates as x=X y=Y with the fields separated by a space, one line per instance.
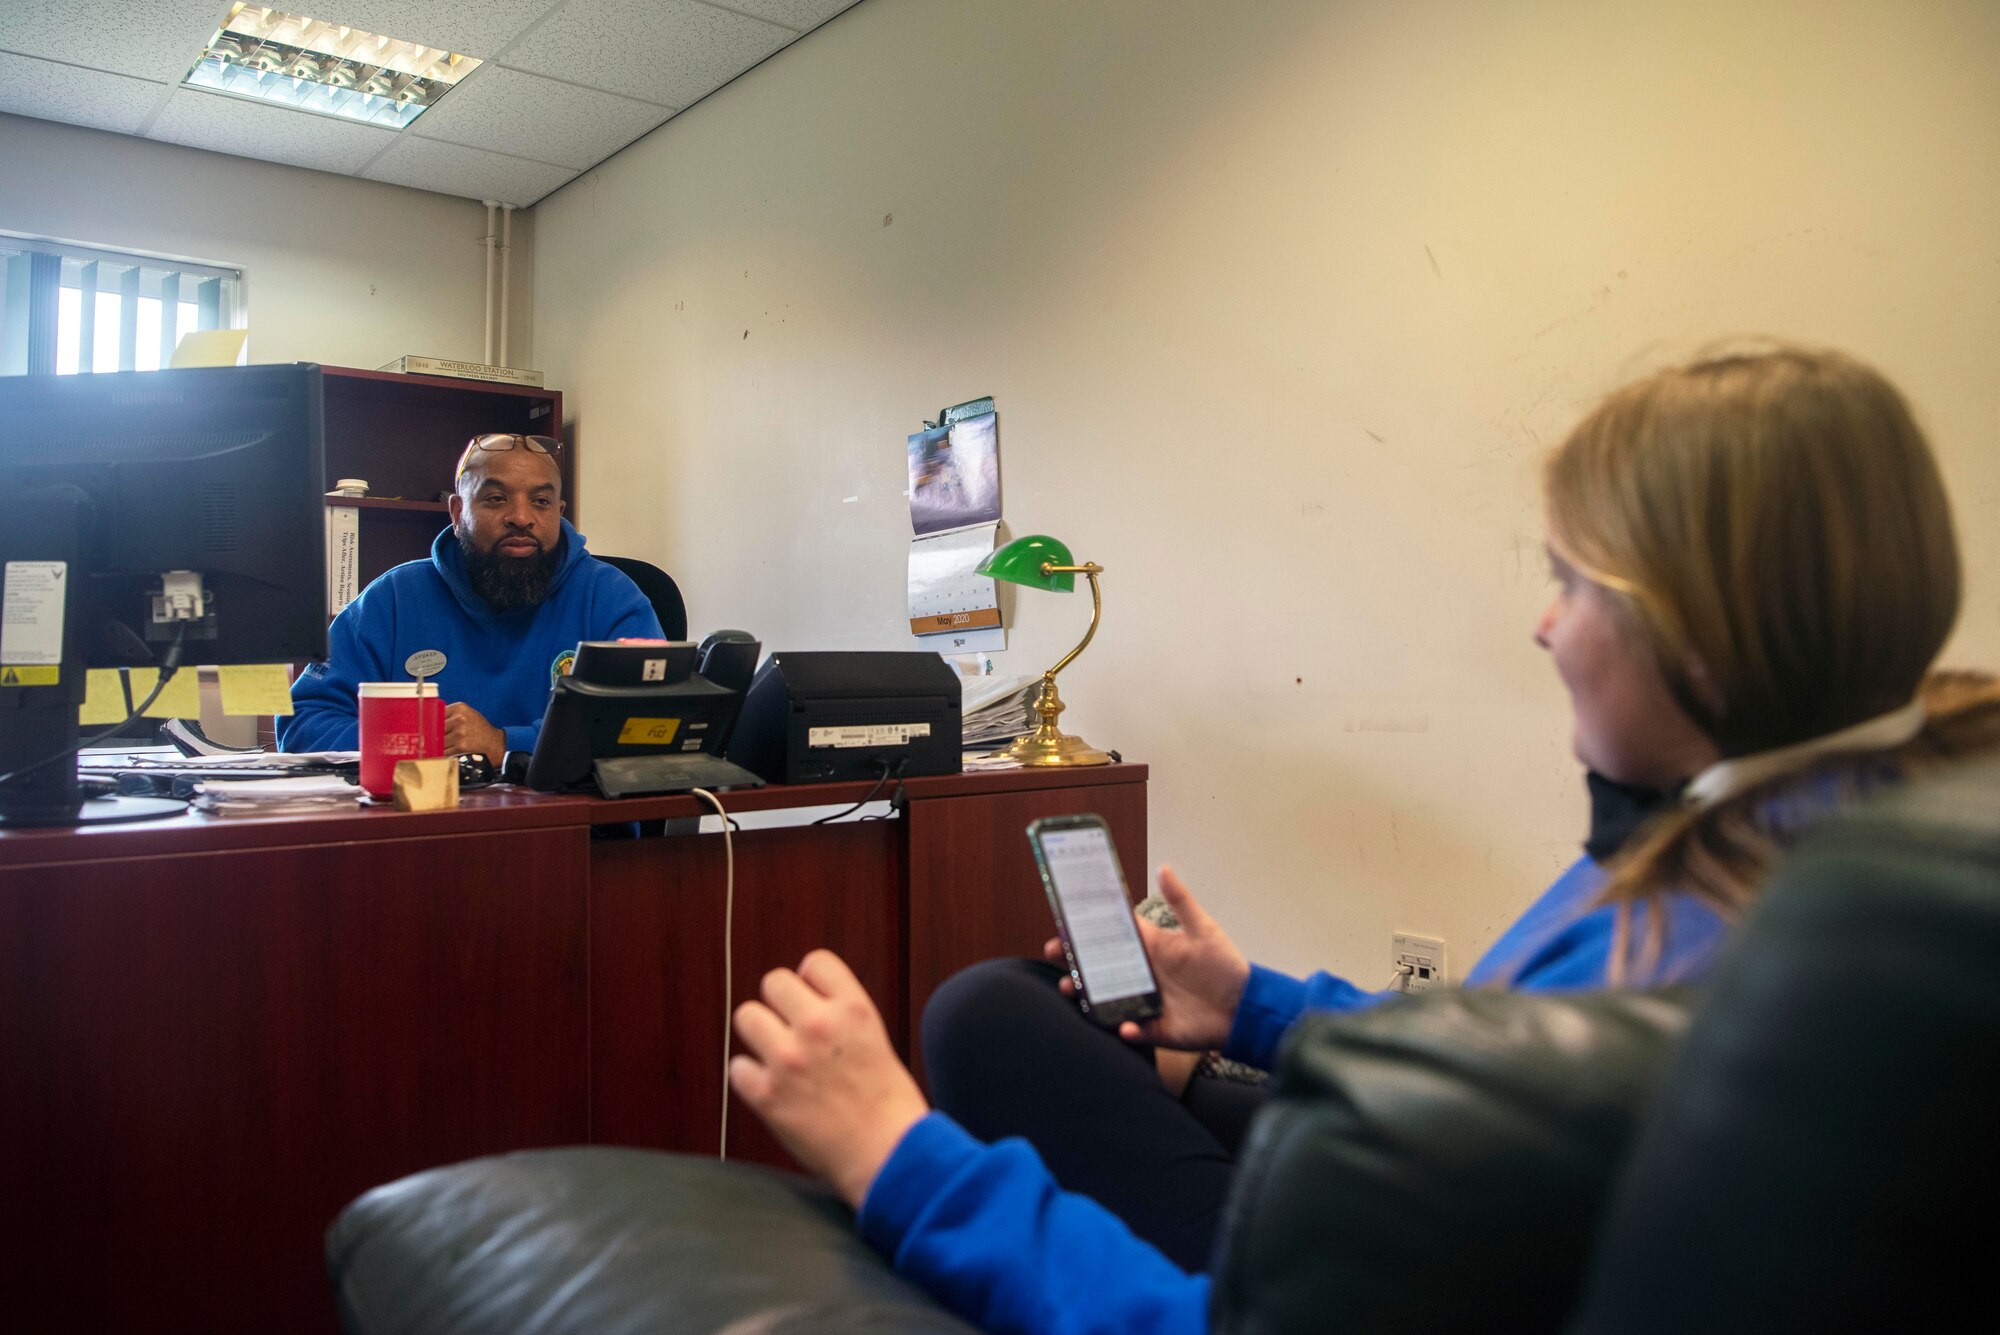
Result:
x=1049 y=746
x=1056 y=749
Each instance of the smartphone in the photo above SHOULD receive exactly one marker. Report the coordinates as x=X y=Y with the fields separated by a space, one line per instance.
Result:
x=1100 y=941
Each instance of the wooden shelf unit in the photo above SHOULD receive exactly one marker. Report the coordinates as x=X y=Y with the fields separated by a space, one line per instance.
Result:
x=388 y=503
x=403 y=434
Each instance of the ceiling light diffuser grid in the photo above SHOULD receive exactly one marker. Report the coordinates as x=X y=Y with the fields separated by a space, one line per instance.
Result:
x=300 y=62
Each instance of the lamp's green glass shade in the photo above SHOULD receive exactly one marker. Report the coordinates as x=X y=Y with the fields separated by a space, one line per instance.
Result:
x=1021 y=562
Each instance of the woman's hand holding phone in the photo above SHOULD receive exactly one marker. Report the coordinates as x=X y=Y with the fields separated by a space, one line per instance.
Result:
x=1200 y=972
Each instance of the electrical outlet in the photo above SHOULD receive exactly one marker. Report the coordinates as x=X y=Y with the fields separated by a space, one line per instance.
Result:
x=1423 y=956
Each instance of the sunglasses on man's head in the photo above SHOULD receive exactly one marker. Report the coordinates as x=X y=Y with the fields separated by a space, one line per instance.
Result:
x=499 y=442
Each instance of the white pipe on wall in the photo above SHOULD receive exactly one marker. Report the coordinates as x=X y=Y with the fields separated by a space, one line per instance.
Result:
x=506 y=234
x=491 y=205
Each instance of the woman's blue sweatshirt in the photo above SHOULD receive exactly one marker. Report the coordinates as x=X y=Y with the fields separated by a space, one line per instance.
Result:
x=986 y=1229
x=500 y=663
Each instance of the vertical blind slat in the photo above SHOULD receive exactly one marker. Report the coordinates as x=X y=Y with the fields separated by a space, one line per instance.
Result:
x=44 y=291
x=128 y=320
x=170 y=316
x=208 y=303
x=86 y=324
x=14 y=318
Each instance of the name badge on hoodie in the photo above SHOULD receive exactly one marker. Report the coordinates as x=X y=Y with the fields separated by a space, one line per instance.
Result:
x=424 y=663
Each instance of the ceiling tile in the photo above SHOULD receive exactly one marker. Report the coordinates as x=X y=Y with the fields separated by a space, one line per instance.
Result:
x=510 y=112
x=150 y=39
x=82 y=97
x=278 y=134
x=801 y=15
x=581 y=79
x=670 y=51
x=481 y=28
x=451 y=169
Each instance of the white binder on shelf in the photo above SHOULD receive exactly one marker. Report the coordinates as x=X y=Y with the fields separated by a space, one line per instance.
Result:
x=343 y=556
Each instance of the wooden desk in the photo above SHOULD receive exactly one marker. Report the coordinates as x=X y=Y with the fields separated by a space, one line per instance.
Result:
x=215 y=1032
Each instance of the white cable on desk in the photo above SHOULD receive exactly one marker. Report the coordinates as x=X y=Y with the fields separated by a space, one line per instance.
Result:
x=728 y=978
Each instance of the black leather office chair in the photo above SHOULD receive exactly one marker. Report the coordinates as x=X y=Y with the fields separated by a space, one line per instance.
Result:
x=660 y=590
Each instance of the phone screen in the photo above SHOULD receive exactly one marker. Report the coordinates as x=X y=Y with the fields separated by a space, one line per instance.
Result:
x=1091 y=889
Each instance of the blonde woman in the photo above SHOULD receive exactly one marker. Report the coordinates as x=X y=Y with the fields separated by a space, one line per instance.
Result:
x=1755 y=569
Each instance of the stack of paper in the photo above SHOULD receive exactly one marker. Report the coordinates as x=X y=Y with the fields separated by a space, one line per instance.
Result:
x=996 y=710
x=275 y=797
x=983 y=760
x=254 y=764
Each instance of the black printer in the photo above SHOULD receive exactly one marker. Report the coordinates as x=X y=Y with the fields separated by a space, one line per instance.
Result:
x=827 y=716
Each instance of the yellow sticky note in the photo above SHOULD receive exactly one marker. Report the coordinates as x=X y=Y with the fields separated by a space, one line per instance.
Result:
x=181 y=699
x=103 y=698
x=258 y=688
x=209 y=347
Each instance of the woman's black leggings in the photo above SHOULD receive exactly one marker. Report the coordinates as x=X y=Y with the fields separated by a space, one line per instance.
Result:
x=1006 y=1054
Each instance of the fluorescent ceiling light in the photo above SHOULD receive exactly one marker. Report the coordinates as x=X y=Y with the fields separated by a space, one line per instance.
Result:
x=325 y=67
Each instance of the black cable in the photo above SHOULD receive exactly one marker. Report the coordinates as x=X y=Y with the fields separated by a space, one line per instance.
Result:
x=886 y=776
x=170 y=663
x=898 y=798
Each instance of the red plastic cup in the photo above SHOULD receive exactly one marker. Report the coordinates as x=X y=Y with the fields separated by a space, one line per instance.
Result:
x=397 y=724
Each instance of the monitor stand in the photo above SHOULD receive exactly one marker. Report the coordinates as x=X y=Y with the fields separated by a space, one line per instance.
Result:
x=39 y=733
x=49 y=794
x=636 y=776
x=40 y=724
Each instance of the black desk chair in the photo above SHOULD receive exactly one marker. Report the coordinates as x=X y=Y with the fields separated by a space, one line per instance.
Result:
x=660 y=590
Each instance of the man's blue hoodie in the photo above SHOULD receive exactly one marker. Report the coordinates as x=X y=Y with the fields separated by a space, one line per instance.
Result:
x=500 y=663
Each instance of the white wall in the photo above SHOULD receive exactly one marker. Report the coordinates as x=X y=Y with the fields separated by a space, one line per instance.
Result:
x=1282 y=303
x=336 y=270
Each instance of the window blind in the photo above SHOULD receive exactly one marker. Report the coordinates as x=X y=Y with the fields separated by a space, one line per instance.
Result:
x=70 y=309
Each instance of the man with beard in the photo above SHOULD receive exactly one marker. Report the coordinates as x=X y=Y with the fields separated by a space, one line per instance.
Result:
x=507 y=593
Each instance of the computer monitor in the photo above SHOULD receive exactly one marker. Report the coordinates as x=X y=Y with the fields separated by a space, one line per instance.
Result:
x=642 y=716
x=155 y=516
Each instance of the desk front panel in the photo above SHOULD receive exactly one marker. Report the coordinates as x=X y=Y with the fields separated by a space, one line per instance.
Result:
x=206 y=1057
x=656 y=931
x=215 y=1033
x=974 y=890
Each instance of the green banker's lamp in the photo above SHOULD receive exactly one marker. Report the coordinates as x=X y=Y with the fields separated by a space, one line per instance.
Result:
x=1040 y=562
